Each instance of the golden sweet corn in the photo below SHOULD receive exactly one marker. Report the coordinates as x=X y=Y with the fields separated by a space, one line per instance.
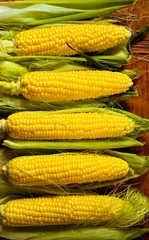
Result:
x=68 y=85
x=64 y=169
x=82 y=37
x=73 y=125
x=60 y=210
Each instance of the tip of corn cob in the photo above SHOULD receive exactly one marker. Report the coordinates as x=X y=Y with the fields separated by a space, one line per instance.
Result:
x=12 y=88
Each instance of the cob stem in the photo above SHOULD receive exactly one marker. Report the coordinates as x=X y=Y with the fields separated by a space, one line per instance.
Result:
x=7 y=46
x=2 y=128
x=5 y=169
x=13 y=88
x=3 y=125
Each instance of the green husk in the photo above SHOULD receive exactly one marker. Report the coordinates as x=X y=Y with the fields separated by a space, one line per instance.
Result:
x=138 y=165
x=66 y=3
x=98 y=144
x=113 y=58
x=11 y=104
x=72 y=233
x=93 y=63
x=37 y=12
x=134 y=210
x=11 y=71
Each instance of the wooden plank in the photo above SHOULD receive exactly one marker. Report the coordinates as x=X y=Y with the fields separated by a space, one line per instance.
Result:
x=138 y=17
x=140 y=61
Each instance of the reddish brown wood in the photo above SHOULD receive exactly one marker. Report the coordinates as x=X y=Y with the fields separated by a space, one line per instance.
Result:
x=140 y=60
x=138 y=17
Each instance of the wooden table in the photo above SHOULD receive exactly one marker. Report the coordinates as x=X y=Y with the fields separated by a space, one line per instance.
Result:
x=138 y=17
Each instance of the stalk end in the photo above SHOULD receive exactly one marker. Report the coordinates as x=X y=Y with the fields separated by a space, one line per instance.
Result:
x=11 y=88
x=4 y=169
x=7 y=46
x=2 y=210
x=2 y=128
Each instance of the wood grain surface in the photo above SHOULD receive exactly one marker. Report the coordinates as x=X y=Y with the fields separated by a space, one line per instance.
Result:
x=137 y=17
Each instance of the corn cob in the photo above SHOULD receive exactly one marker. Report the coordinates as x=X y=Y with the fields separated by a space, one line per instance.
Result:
x=69 y=85
x=61 y=125
x=60 y=210
x=63 y=176
x=64 y=169
x=82 y=37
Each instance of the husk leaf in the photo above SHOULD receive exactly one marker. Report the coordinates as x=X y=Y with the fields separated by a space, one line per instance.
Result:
x=114 y=57
x=11 y=104
x=98 y=144
x=12 y=70
x=72 y=233
x=37 y=12
x=87 y=4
